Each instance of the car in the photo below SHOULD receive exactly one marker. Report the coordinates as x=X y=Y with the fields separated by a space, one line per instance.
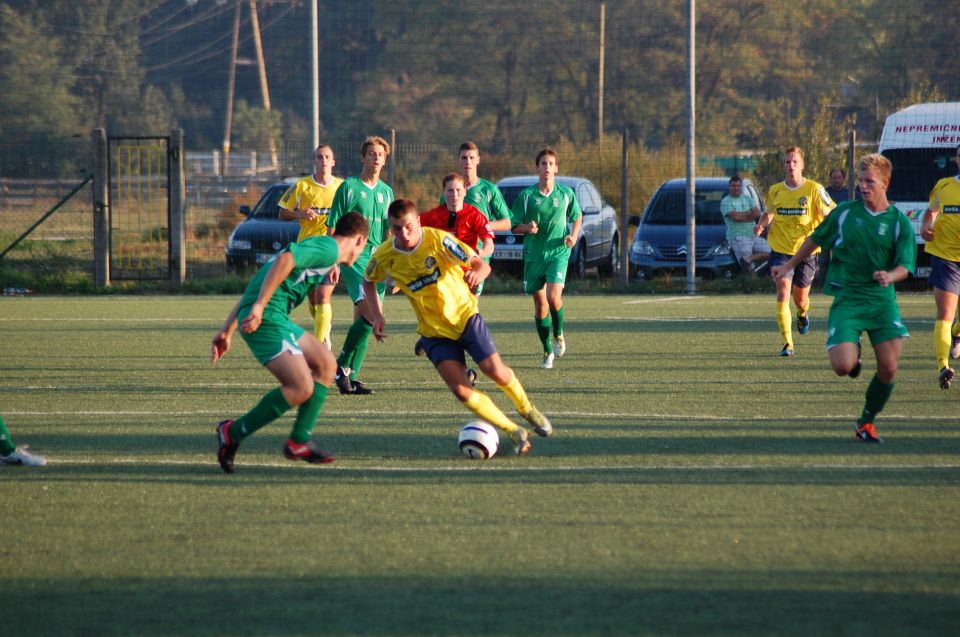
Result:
x=660 y=243
x=262 y=234
x=599 y=241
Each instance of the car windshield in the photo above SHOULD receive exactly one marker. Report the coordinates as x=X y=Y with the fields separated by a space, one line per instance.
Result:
x=669 y=208
x=510 y=194
x=266 y=208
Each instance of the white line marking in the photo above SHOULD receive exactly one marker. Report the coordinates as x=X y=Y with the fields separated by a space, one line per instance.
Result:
x=491 y=466
x=668 y=299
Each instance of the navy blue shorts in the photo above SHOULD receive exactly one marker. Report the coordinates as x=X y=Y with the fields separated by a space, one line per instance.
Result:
x=944 y=274
x=475 y=340
x=803 y=274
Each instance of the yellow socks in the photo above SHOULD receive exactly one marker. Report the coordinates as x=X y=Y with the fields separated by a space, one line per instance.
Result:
x=783 y=322
x=322 y=321
x=480 y=404
x=941 y=343
x=514 y=390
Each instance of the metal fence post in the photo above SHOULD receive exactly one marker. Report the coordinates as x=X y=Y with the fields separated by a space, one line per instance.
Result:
x=178 y=209
x=624 y=212
x=101 y=209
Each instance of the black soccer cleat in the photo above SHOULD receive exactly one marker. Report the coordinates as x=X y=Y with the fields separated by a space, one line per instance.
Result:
x=227 y=450
x=472 y=376
x=308 y=452
x=342 y=379
x=359 y=388
x=946 y=377
x=803 y=324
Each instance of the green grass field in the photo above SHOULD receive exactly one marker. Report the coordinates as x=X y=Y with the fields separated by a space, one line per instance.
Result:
x=697 y=484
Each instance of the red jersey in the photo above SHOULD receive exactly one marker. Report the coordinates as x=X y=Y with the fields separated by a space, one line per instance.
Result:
x=469 y=225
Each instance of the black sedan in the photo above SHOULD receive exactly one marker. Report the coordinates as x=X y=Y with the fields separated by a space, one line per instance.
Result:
x=262 y=234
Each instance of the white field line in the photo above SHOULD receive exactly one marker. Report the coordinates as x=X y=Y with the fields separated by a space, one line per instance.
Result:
x=469 y=466
x=668 y=299
x=460 y=412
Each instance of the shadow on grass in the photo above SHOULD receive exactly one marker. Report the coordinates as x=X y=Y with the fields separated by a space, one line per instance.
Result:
x=785 y=603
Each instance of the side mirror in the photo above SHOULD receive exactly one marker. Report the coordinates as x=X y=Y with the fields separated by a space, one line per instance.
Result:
x=634 y=220
x=245 y=210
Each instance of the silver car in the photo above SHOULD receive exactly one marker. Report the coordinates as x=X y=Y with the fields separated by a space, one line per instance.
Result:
x=599 y=241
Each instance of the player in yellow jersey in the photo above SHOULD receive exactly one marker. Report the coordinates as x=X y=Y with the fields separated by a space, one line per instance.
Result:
x=428 y=265
x=795 y=207
x=309 y=202
x=940 y=228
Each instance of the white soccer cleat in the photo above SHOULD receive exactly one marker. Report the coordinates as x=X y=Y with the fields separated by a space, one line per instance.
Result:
x=547 y=362
x=955 y=347
x=521 y=442
x=23 y=457
x=559 y=346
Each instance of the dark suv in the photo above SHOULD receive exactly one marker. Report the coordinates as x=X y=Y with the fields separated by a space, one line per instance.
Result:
x=660 y=244
x=262 y=234
x=599 y=242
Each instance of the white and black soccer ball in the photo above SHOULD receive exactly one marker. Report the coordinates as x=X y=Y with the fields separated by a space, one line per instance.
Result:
x=479 y=440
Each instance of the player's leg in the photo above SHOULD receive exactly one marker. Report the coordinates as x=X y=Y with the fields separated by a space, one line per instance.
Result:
x=533 y=284
x=802 y=280
x=555 y=275
x=10 y=454
x=783 y=287
x=356 y=341
x=478 y=342
x=942 y=333
x=323 y=312
x=276 y=347
x=945 y=279
x=887 y=332
x=321 y=365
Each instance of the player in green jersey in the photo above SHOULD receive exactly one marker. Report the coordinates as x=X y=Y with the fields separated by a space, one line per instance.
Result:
x=481 y=194
x=369 y=196
x=872 y=247
x=304 y=367
x=542 y=212
x=11 y=454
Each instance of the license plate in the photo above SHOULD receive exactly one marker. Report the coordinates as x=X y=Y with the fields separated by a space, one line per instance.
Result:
x=514 y=255
x=922 y=272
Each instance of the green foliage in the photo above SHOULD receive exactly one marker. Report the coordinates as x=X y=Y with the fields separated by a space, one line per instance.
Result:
x=255 y=127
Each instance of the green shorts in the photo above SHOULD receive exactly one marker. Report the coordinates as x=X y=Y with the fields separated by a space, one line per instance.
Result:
x=849 y=318
x=353 y=276
x=536 y=274
x=272 y=338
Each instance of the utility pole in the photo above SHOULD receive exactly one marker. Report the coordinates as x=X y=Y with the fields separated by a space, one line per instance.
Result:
x=262 y=72
x=231 y=84
x=603 y=46
x=691 y=147
x=314 y=74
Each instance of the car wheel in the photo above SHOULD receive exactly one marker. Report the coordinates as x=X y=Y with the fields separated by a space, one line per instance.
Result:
x=611 y=265
x=578 y=264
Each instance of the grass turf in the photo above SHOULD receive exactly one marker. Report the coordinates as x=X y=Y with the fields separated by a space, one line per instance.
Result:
x=697 y=484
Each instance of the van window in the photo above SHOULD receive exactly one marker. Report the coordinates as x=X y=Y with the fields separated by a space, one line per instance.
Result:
x=917 y=170
x=669 y=208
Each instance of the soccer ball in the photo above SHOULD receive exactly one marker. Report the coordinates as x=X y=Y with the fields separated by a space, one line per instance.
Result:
x=479 y=440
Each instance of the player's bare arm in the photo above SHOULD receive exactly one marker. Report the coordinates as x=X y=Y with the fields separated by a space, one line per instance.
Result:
x=479 y=270
x=885 y=278
x=500 y=224
x=221 y=342
x=526 y=228
x=806 y=249
x=762 y=224
x=279 y=271
x=926 y=225
x=571 y=239
x=374 y=310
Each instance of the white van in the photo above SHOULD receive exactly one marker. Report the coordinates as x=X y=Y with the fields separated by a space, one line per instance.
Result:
x=921 y=142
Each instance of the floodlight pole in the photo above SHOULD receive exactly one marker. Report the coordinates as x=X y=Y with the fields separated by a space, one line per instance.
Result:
x=314 y=74
x=691 y=147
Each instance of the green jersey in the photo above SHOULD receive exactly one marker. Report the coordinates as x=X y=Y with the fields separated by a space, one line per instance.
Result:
x=862 y=242
x=487 y=198
x=355 y=196
x=313 y=257
x=552 y=213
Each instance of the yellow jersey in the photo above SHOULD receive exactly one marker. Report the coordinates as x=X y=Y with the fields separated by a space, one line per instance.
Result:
x=309 y=193
x=796 y=212
x=431 y=275
x=945 y=199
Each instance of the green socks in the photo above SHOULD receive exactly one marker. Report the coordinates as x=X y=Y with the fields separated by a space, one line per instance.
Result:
x=355 y=346
x=6 y=444
x=543 y=331
x=271 y=406
x=307 y=414
x=557 y=316
x=877 y=396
